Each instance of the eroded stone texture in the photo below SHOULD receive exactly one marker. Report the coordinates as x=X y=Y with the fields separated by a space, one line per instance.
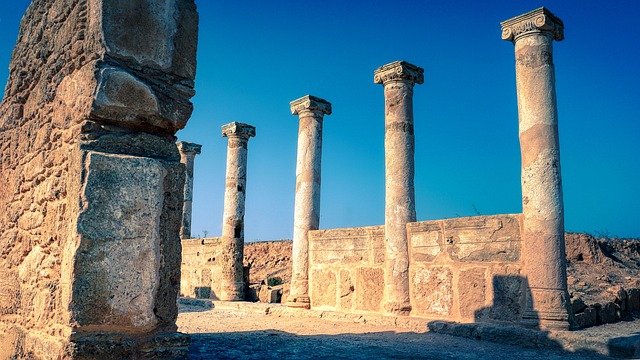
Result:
x=369 y=289
x=324 y=289
x=398 y=79
x=311 y=111
x=188 y=152
x=543 y=233
x=353 y=256
x=92 y=184
x=232 y=281
x=433 y=288
x=472 y=287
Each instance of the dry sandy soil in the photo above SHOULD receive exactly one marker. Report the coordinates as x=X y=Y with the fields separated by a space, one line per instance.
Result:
x=237 y=334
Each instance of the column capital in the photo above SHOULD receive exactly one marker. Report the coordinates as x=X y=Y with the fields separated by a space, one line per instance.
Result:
x=537 y=21
x=397 y=71
x=238 y=129
x=189 y=148
x=310 y=103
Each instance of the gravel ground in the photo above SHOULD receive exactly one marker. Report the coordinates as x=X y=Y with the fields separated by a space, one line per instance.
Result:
x=237 y=334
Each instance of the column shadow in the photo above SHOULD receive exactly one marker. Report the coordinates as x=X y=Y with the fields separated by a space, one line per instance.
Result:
x=502 y=322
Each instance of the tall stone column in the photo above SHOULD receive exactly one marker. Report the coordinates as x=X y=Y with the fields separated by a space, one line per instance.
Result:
x=311 y=111
x=398 y=79
x=188 y=152
x=543 y=233
x=232 y=282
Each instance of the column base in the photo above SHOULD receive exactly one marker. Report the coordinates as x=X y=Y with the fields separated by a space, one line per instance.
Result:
x=547 y=309
x=546 y=320
x=397 y=308
x=300 y=302
x=234 y=294
x=99 y=346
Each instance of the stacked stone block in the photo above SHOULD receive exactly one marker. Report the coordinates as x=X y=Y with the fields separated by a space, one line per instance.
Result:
x=92 y=180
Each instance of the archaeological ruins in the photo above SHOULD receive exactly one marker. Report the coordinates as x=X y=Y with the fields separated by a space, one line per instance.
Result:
x=92 y=178
x=96 y=237
x=483 y=268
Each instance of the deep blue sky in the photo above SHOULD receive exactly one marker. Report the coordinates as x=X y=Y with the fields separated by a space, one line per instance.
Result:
x=256 y=56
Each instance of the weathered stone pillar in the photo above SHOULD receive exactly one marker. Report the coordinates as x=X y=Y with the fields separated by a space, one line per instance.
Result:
x=543 y=234
x=398 y=79
x=232 y=282
x=311 y=111
x=188 y=152
x=92 y=184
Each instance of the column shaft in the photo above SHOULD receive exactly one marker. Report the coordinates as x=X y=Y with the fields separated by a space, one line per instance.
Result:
x=399 y=144
x=307 y=199
x=542 y=204
x=188 y=152
x=232 y=282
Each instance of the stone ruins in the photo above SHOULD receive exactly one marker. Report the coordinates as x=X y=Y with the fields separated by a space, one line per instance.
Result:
x=97 y=195
x=482 y=268
x=92 y=191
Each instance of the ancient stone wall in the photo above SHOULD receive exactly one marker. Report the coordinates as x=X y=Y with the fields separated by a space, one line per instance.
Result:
x=459 y=269
x=346 y=269
x=92 y=180
x=466 y=268
x=201 y=270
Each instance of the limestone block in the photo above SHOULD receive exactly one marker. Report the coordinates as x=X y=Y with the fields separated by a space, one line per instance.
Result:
x=269 y=294
x=587 y=318
x=606 y=313
x=578 y=305
x=378 y=247
x=483 y=238
x=508 y=297
x=119 y=227
x=347 y=289
x=344 y=246
x=426 y=241
x=369 y=288
x=472 y=287
x=432 y=290
x=323 y=288
x=634 y=299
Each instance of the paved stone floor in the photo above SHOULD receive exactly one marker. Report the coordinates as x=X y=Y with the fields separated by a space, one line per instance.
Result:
x=238 y=334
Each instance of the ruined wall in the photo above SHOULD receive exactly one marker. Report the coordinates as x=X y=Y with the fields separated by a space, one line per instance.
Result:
x=460 y=269
x=200 y=269
x=92 y=182
x=466 y=268
x=346 y=269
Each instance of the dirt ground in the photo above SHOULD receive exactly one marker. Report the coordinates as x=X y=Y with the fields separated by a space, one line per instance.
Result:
x=237 y=334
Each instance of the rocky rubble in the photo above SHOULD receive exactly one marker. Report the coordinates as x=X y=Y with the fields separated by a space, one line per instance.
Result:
x=603 y=278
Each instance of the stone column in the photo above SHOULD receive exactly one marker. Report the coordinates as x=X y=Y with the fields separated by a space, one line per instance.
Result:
x=398 y=79
x=311 y=111
x=543 y=231
x=232 y=282
x=188 y=152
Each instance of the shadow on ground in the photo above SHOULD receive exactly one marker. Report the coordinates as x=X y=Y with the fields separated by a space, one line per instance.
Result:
x=274 y=344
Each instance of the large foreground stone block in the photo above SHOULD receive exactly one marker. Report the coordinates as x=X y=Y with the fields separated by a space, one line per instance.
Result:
x=92 y=182
x=118 y=263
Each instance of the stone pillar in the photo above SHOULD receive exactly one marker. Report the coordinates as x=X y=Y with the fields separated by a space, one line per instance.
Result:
x=311 y=111
x=543 y=232
x=398 y=79
x=232 y=282
x=92 y=185
x=188 y=152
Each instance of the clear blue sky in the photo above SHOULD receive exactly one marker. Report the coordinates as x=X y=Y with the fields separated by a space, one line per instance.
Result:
x=256 y=56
